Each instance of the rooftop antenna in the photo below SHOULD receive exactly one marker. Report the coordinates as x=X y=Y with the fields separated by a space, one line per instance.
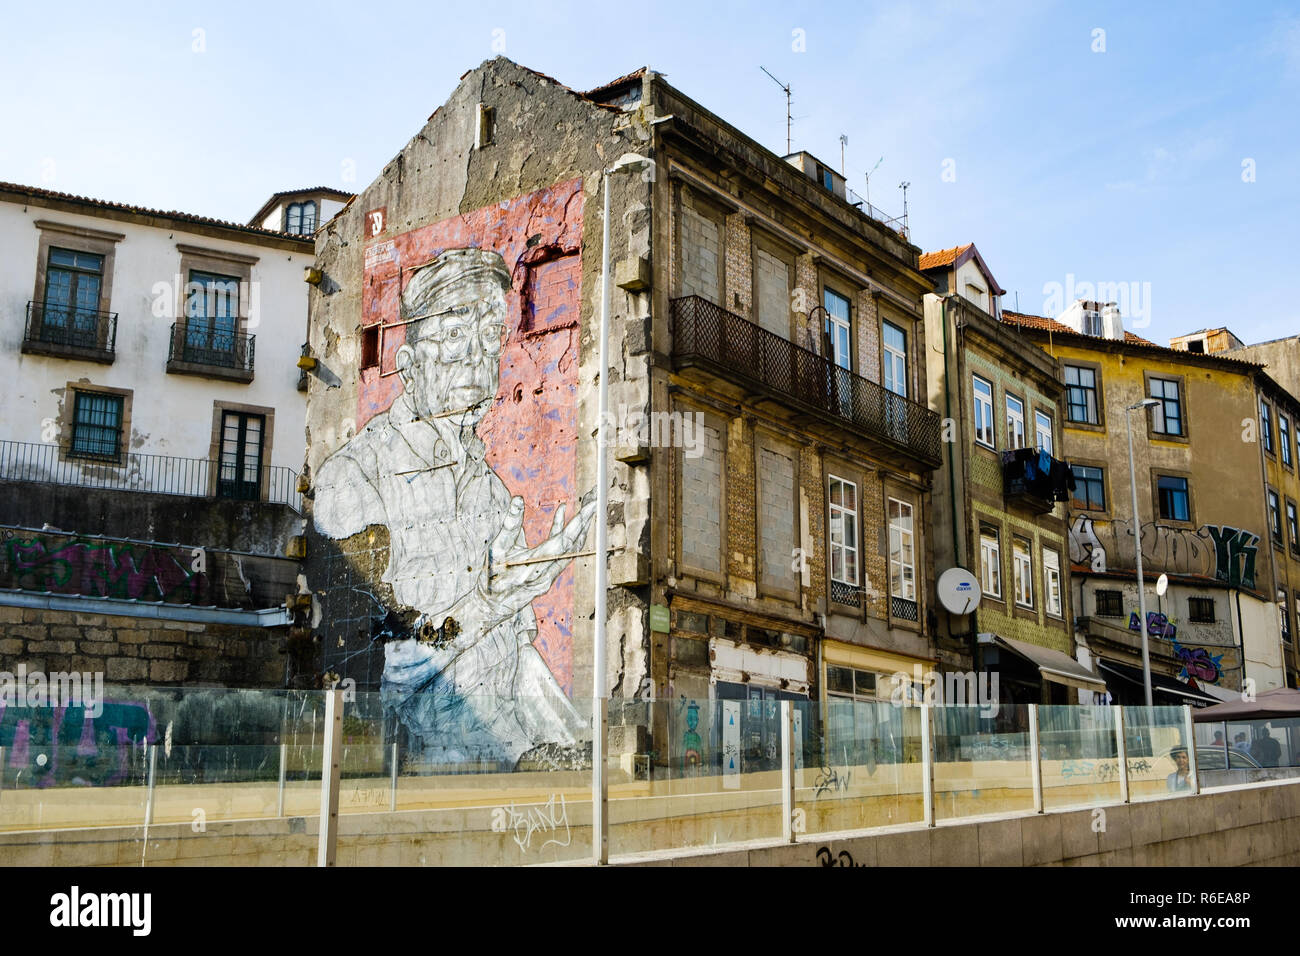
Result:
x=903 y=186
x=785 y=88
x=844 y=141
x=872 y=170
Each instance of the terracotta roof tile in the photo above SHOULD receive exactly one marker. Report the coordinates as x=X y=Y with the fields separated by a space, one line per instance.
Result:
x=1044 y=324
x=944 y=257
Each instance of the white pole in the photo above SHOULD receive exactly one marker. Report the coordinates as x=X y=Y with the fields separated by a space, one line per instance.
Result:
x=599 y=782
x=1121 y=752
x=1137 y=549
x=392 y=786
x=328 y=844
x=787 y=771
x=1037 y=765
x=927 y=767
x=1190 y=727
x=279 y=802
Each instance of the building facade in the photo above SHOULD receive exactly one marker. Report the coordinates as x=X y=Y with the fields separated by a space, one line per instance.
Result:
x=1001 y=497
x=151 y=437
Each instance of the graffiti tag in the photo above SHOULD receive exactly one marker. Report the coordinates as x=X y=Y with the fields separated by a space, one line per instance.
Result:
x=844 y=858
x=111 y=569
x=829 y=781
x=523 y=824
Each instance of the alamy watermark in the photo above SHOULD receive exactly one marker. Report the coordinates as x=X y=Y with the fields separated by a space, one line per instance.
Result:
x=25 y=688
x=1133 y=299
x=954 y=688
x=633 y=427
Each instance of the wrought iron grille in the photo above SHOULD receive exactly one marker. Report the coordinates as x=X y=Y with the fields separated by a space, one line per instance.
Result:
x=902 y=608
x=849 y=594
x=201 y=344
x=704 y=333
x=70 y=326
x=155 y=474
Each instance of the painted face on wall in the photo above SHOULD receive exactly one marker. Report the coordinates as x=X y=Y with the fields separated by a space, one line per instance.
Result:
x=451 y=359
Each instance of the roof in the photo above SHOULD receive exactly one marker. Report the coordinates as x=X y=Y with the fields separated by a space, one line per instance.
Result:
x=36 y=192
x=330 y=191
x=1051 y=325
x=957 y=256
x=594 y=92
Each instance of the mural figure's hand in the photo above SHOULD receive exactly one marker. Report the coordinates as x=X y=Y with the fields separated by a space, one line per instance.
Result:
x=515 y=573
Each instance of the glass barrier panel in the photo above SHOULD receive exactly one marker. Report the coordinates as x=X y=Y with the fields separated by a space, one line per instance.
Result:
x=693 y=773
x=1080 y=756
x=857 y=765
x=1155 y=741
x=981 y=761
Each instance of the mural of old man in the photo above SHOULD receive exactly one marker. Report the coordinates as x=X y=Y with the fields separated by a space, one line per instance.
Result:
x=466 y=681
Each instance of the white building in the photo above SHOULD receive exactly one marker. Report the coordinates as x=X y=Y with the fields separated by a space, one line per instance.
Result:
x=151 y=351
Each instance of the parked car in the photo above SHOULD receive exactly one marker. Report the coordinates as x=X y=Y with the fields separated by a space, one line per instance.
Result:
x=1211 y=758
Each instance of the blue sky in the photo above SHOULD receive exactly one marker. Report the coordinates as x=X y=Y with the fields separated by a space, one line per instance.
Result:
x=1115 y=166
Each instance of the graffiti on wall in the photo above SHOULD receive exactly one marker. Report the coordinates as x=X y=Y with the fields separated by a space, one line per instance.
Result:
x=1222 y=552
x=1198 y=663
x=98 y=568
x=466 y=452
x=1158 y=625
x=66 y=746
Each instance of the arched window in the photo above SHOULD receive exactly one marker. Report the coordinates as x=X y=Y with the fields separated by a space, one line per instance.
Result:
x=300 y=218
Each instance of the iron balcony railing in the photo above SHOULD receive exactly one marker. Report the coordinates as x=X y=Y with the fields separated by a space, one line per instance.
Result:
x=842 y=593
x=903 y=609
x=732 y=347
x=154 y=474
x=55 y=327
x=202 y=344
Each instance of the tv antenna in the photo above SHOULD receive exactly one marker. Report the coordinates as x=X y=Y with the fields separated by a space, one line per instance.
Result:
x=903 y=186
x=844 y=141
x=785 y=88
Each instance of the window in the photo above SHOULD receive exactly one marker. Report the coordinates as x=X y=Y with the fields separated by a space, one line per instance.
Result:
x=838 y=327
x=1081 y=394
x=96 y=426
x=1285 y=614
x=1109 y=603
x=300 y=218
x=1172 y=494
x=70 y=307
x=1015 y=422
x=894 y=345
x=1091 y=322
x=1052 y=581
x=1275 y=517
x=240 y=471
x=1266 y=425
x=211 y=318
x=983 y=412
x=902 y=557
x=827 y=178
x=990 y=562
x=1167 y=417
x=1043 y=432
x=1023 y=566
x=1292 y=528
x=1089 y=488
x=848 y=683
x=843 y=535
x=1200 y=610
x=1284 y=438
x=370 y=347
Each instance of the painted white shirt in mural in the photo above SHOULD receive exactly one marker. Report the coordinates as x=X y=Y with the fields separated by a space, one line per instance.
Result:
x=488 y=694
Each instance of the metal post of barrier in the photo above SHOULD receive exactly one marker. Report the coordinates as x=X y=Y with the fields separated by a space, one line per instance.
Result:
x=279 y=802
x=1190 y=730
x=153 y=764
x=787 y=771
x=927 y=767
x=1036 y=756
x=331 y=773
x=392 y=784
x=599 y=781
x=1121 y=754
x=2 y=768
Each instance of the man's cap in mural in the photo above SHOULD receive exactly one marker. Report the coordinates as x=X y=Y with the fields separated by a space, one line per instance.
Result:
x=456 y=277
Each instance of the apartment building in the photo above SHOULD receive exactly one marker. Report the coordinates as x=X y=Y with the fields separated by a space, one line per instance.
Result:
x=1001 y=496
x=769 y=443
x=149 y=441
x=1201 y=518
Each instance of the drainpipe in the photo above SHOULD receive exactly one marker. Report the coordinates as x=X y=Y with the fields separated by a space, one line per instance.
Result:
x=952 y=477
x=1241 y=638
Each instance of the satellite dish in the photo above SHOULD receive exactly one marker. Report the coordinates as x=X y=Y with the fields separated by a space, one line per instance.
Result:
x=1162 y=584
x=959 y=591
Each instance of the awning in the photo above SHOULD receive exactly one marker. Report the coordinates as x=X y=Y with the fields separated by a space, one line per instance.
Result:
x=1160 y=684
x=1055 y=666
x=1275 y=704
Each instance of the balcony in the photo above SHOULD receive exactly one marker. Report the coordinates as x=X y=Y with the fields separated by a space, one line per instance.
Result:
x=206 y=350
x=1035 y=479
x=70 y=332
x=152 y=474
x=727 y=346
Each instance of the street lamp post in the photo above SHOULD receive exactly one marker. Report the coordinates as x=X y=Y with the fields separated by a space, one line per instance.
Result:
x=599 y=779
x=1137 y=547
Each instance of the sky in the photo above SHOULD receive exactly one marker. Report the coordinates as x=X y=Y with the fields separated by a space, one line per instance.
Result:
x=1151 y=147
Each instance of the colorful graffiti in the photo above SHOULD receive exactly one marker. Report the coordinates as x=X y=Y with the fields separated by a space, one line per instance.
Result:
x=1224 y=553
x=692 y=743
x=1157 y=625
x=466 y=452
x=1198 y=663
x=66 y=746
x=112 y=569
